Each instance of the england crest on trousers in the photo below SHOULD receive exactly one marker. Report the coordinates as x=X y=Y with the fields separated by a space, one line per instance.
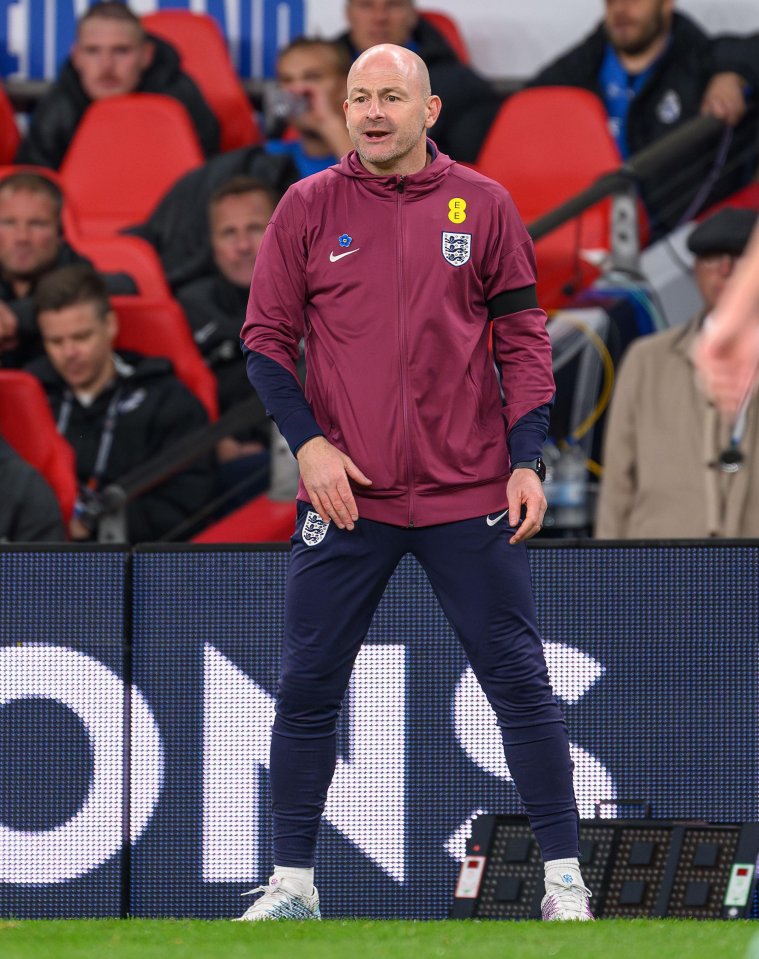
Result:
x=314 y=529
x=457 y=248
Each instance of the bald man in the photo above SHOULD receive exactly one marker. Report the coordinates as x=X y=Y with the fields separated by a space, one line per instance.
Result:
x=397 y=266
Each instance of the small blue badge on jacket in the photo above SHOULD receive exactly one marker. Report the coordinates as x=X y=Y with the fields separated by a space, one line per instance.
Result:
x=457 y=248
x=345 y=240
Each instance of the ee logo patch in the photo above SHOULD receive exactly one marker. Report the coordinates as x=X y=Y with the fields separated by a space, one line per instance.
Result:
x=457 y=210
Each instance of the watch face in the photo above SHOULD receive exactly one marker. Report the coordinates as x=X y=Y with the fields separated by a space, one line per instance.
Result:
x=540 y=469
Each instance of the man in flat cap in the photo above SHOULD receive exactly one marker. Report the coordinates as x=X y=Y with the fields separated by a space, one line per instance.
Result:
x=673 y=467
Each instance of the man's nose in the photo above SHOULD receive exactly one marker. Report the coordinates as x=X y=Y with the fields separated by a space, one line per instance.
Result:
x=375 y=107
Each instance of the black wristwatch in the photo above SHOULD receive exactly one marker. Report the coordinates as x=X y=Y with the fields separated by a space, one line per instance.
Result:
x=537 y=466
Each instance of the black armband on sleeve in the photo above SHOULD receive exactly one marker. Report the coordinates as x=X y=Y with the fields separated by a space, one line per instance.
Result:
x=513 y=301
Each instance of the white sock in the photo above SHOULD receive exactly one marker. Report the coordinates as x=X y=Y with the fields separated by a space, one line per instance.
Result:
x=556 y=869
x=300 y=881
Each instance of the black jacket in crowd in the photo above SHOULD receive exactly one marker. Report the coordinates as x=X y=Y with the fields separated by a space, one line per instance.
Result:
x=671 y=95
x=178 y=227
x=29 y=511
x=469 y=102
x=30 y=345
x=215 y=310
x=154 y=411
x=60 y=111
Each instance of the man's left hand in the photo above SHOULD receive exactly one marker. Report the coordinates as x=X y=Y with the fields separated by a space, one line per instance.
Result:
x=525 y=489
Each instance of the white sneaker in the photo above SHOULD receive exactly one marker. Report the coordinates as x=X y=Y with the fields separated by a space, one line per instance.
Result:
x=566 y=900
x=278 y=902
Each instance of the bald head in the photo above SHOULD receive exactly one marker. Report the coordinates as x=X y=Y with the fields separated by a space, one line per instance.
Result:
x=391 y=58
x=389 y=109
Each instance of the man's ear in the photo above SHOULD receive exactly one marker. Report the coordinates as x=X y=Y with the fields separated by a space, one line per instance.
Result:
x=433 y=108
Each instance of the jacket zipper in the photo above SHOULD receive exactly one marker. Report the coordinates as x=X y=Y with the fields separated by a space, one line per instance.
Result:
x=403 y=353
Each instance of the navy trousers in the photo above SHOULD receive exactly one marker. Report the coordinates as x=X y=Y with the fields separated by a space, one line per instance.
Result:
x=483 y=585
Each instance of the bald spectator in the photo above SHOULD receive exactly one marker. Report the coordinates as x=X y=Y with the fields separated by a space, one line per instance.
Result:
x=311 y=77
x=112 y=55
x=469 y=102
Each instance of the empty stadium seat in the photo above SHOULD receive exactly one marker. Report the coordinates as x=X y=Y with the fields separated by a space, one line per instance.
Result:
x=126 y=254
x=158 y=327
x=124 y=156
x=9 y=135
x=205 y=57
x=262 y=520
x=28 y=425
x=545 y=145
x=448 y=28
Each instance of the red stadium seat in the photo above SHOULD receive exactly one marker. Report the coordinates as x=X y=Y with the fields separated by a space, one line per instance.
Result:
x=126 y=254
x=545 y=145
x=28 y=425
x=124 y=156
x=158 y=327
x=9 y=135
x=205 y=58
x=262 y=520
x=448 y=27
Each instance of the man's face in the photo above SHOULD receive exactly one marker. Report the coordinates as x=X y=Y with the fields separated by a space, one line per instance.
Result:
x=237 y=228
x=78 y=342
x=632 y=26
x=29 y=233
x=380 y=21
x=712 y=271
x=387 y=113
x=313 y=73
x=110 y=57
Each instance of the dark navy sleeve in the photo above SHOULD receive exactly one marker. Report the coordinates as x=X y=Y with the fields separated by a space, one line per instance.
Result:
x=528 y=434
x=283 y=398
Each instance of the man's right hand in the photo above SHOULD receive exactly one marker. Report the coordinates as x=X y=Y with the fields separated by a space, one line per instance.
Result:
x=325 y=472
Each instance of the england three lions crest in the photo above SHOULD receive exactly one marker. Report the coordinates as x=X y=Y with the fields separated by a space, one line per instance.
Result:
x=314 y=529
x=457 y=248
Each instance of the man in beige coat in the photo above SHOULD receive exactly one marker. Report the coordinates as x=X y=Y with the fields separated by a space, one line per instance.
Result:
x=662 y=472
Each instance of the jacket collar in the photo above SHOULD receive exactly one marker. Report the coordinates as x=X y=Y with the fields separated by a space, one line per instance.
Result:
x=386 y=185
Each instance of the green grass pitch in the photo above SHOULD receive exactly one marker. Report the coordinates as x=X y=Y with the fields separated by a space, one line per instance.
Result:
x=365 y=939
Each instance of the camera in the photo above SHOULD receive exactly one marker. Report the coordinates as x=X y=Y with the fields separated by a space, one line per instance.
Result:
x=281 y=106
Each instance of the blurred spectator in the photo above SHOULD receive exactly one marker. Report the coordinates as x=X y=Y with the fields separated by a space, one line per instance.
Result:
x=666 y=470
x=469 y=102
x=312 y=77
x=29 y=511
x=112 y=55
x=178 y=227
x=654 y=69
x=116 y=410
x=238 y=214
x=32 y=244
